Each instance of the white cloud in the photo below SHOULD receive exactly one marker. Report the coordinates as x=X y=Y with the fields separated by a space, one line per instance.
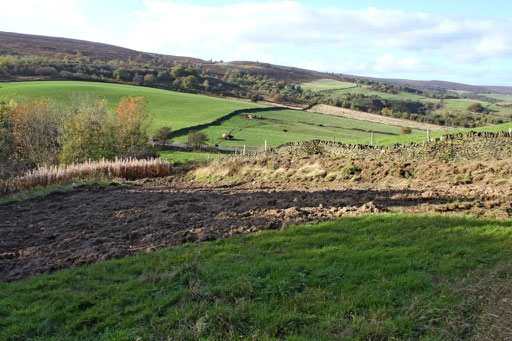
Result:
x=21 y=13
x=373 y=40
x=185 y=27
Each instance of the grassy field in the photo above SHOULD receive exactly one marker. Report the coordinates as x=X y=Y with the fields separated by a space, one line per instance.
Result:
x=178 y=156
x=299 y=126
x=374 y=277
x=174 y=109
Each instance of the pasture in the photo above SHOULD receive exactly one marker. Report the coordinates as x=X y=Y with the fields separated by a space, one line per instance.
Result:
x=168 y=108
x=282 y=126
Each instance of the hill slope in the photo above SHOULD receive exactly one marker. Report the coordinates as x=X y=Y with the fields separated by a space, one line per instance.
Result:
x=174 y=109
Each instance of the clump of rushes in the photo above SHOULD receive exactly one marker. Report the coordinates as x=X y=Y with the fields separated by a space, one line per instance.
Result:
x=118 y=168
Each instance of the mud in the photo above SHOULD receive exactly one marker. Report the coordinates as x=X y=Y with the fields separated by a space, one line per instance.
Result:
x=94 y=223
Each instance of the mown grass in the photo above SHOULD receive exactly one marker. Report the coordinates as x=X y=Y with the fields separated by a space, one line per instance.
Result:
x=279 y=127
x=168 y=108
x=373 y=277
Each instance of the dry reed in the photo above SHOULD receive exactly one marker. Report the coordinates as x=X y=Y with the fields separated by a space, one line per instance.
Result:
x=118 y=168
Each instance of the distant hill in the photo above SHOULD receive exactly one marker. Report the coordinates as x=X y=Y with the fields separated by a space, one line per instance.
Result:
x=28 y=44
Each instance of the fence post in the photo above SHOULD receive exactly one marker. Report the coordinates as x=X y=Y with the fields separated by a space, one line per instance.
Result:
x=244 y=149
x=265 y=145
x=428 y=135
x=372 y=138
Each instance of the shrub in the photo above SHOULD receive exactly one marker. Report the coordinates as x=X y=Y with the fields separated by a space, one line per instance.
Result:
x=276 y=98
x=476 y=107
x=122 y=74
x=35 y=127
x=196 y=139
x=162 y=135
x=89 y=133
x=406 y=130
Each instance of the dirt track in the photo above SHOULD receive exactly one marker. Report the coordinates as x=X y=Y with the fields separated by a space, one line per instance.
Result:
x=95 y=223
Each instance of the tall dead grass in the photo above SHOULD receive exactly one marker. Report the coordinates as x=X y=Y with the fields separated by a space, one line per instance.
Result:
x=118 y=168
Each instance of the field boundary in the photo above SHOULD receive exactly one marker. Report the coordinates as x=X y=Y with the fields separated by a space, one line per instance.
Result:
x=375 y=118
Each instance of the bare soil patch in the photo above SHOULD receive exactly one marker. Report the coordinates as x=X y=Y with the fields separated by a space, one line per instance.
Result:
x=94 y=223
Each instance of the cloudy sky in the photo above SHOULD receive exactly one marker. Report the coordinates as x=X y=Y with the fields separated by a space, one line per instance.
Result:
x=465 y=41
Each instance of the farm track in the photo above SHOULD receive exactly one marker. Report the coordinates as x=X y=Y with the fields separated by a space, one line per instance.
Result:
x=364 y=116
x=94 y=223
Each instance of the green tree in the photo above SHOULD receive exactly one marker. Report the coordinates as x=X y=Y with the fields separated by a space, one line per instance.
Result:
x=122 y=74
x=178 y=71
x=190 y=82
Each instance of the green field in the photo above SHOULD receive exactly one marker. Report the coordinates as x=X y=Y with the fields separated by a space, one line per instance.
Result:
x=174 y=109
x=178 y=156
x=299 y=126
x=373 y=277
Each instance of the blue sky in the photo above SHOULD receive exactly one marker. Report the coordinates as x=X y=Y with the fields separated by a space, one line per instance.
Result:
x=464 y=41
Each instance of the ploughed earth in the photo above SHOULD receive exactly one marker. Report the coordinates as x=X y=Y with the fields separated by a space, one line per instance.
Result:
x=93 y=223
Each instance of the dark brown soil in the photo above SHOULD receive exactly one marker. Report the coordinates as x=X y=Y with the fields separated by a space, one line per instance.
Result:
x=93 y=223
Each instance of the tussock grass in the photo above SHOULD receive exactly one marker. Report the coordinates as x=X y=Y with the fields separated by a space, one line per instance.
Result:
x=118 y=168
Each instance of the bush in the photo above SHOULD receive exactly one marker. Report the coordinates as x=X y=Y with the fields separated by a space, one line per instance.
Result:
x=34 y=126
x=92 y=133
x=162 y=135
x=196 y=139
x=476 y=107
x=122 y=74
x=406 y=130
x=88 y=134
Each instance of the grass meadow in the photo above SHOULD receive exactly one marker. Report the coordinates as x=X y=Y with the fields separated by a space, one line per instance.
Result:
x=279 y=127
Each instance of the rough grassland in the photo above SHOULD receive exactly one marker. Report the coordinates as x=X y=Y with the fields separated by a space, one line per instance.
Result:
x=175 y=109
x=380 y=276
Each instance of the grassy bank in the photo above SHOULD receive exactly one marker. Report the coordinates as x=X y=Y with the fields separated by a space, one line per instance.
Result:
x=379 y=276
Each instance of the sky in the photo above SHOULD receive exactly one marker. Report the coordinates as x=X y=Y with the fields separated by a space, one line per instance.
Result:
x=461 y=41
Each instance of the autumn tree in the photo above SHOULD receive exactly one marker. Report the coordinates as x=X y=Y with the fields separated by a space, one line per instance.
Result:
x=133 y=120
